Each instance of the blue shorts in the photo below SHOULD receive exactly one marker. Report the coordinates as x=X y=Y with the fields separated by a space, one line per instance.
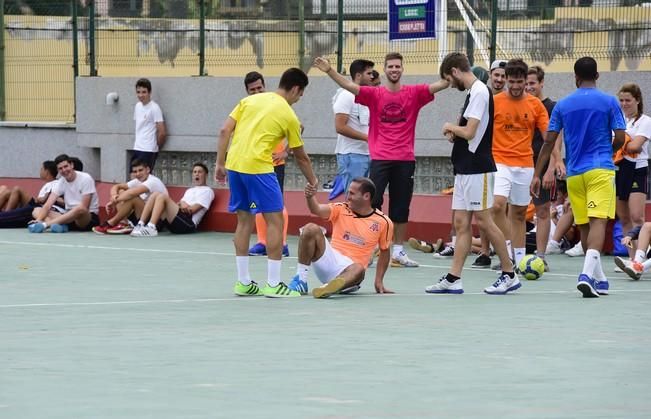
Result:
x=254 y=193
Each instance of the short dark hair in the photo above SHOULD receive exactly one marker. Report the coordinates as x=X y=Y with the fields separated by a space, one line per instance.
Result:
x=50 y=167
x=365 y=185
x=293 y=77
x=516 y=67
x=359 y=66
x=456 y=60
x=251 y=77
x=203 y=166
x=586 y=69
x=144 y=83
x=538 y=71
x=393 y=56
x=61 y=158
x=139 y=162
x=76 y=163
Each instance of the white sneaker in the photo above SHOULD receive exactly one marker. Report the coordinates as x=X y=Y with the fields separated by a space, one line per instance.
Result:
x=553 y=248
x=403 y=261
x=135 y=230
x=503 y=285
x=576 y=251
x=445 y=287
x=144 y=231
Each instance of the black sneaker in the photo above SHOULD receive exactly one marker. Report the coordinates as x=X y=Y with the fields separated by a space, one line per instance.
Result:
x=445 y=253
x=482 y=261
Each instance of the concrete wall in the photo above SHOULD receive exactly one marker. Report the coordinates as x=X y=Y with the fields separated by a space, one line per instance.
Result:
x=195 y=107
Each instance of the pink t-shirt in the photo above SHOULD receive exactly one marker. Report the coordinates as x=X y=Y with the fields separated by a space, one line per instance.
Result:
x=392 y=125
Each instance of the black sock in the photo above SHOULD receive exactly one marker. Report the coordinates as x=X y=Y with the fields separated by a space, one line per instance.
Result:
x=510 y=274
x=451 y=278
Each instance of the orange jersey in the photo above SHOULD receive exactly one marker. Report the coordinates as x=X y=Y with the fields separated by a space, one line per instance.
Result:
x=513 y=128
x=356 y=236
x=279 y=149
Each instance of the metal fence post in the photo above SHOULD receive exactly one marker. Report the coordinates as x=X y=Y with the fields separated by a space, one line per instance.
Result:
x=202 y=37
x=340 y=35
x=301 y=33
x=91 y=38
x=75 y=39
x=493 y=45
x=3 y=110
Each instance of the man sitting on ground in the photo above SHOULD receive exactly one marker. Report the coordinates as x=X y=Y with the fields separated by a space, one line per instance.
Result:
x=80 y=200
x=357 y=229
x=18 y=205
x=182 y=217
x=130 y=197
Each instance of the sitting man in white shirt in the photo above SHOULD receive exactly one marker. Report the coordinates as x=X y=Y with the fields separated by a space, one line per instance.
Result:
x=130 y=197
x=80 y=200
x=181 y=217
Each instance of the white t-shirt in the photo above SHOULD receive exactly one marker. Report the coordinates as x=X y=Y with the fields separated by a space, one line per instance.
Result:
x=641 y=127
x=74 y=191
x=478 y=109
x=152 y=183
x=146 y=117
x=358 y=118
x=46 y=189
x=202 y=195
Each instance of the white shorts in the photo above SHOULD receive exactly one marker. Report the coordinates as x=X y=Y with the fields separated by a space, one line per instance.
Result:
x=330 y=264
x=473 y=192
x=514 y=183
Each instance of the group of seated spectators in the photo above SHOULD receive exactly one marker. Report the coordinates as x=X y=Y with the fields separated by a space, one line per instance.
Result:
x=68 y=201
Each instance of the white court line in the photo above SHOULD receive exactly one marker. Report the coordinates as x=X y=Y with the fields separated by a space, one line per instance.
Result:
x=211 y=300
x=194 y=252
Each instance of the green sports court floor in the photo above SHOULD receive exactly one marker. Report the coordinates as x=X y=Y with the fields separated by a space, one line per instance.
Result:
x=118 y=327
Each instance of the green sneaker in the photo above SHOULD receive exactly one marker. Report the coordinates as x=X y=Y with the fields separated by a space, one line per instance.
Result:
x=279 y=291
x=332 y=287
x=247 y=290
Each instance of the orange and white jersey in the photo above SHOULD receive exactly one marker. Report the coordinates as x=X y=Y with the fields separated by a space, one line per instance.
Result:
x=356 y=235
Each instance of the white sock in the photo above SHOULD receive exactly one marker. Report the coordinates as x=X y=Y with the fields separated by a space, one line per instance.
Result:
x=646 y=265
x=243 y=269
x=397 y=248
x=302 y=271
x=44 y=225
x=590 y=262
x=141 y=223
x=599 y=274
x=509 y=249
x=640 y=256
x=519 y=253
x=150 y=225
x=554 y=242
x=454 y=241
x=273 y=272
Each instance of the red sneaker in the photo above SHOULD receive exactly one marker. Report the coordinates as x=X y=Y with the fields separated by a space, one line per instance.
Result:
x=101 y=229
x=122 y=228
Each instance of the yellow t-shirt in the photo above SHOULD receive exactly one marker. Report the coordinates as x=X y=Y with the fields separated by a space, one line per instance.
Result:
x=262 y=122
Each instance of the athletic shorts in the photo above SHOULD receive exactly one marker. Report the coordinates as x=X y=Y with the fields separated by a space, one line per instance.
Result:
x=94 y=221
x=280 y=175
x=630 y=180
x=545 y=195
x=182 y=224
x=514 y=183
x=473 y=192
x=257 y=193
x=330 y=264
x=592 y=195
x=146 y=156
x=399 y=175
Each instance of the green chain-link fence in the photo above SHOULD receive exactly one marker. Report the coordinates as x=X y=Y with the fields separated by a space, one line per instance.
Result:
x=230 y=37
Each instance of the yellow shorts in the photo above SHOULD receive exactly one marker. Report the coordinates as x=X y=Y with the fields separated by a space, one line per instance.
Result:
x=592 y=195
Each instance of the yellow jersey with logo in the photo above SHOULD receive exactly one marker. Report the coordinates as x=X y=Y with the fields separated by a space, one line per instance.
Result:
x=262 y=122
